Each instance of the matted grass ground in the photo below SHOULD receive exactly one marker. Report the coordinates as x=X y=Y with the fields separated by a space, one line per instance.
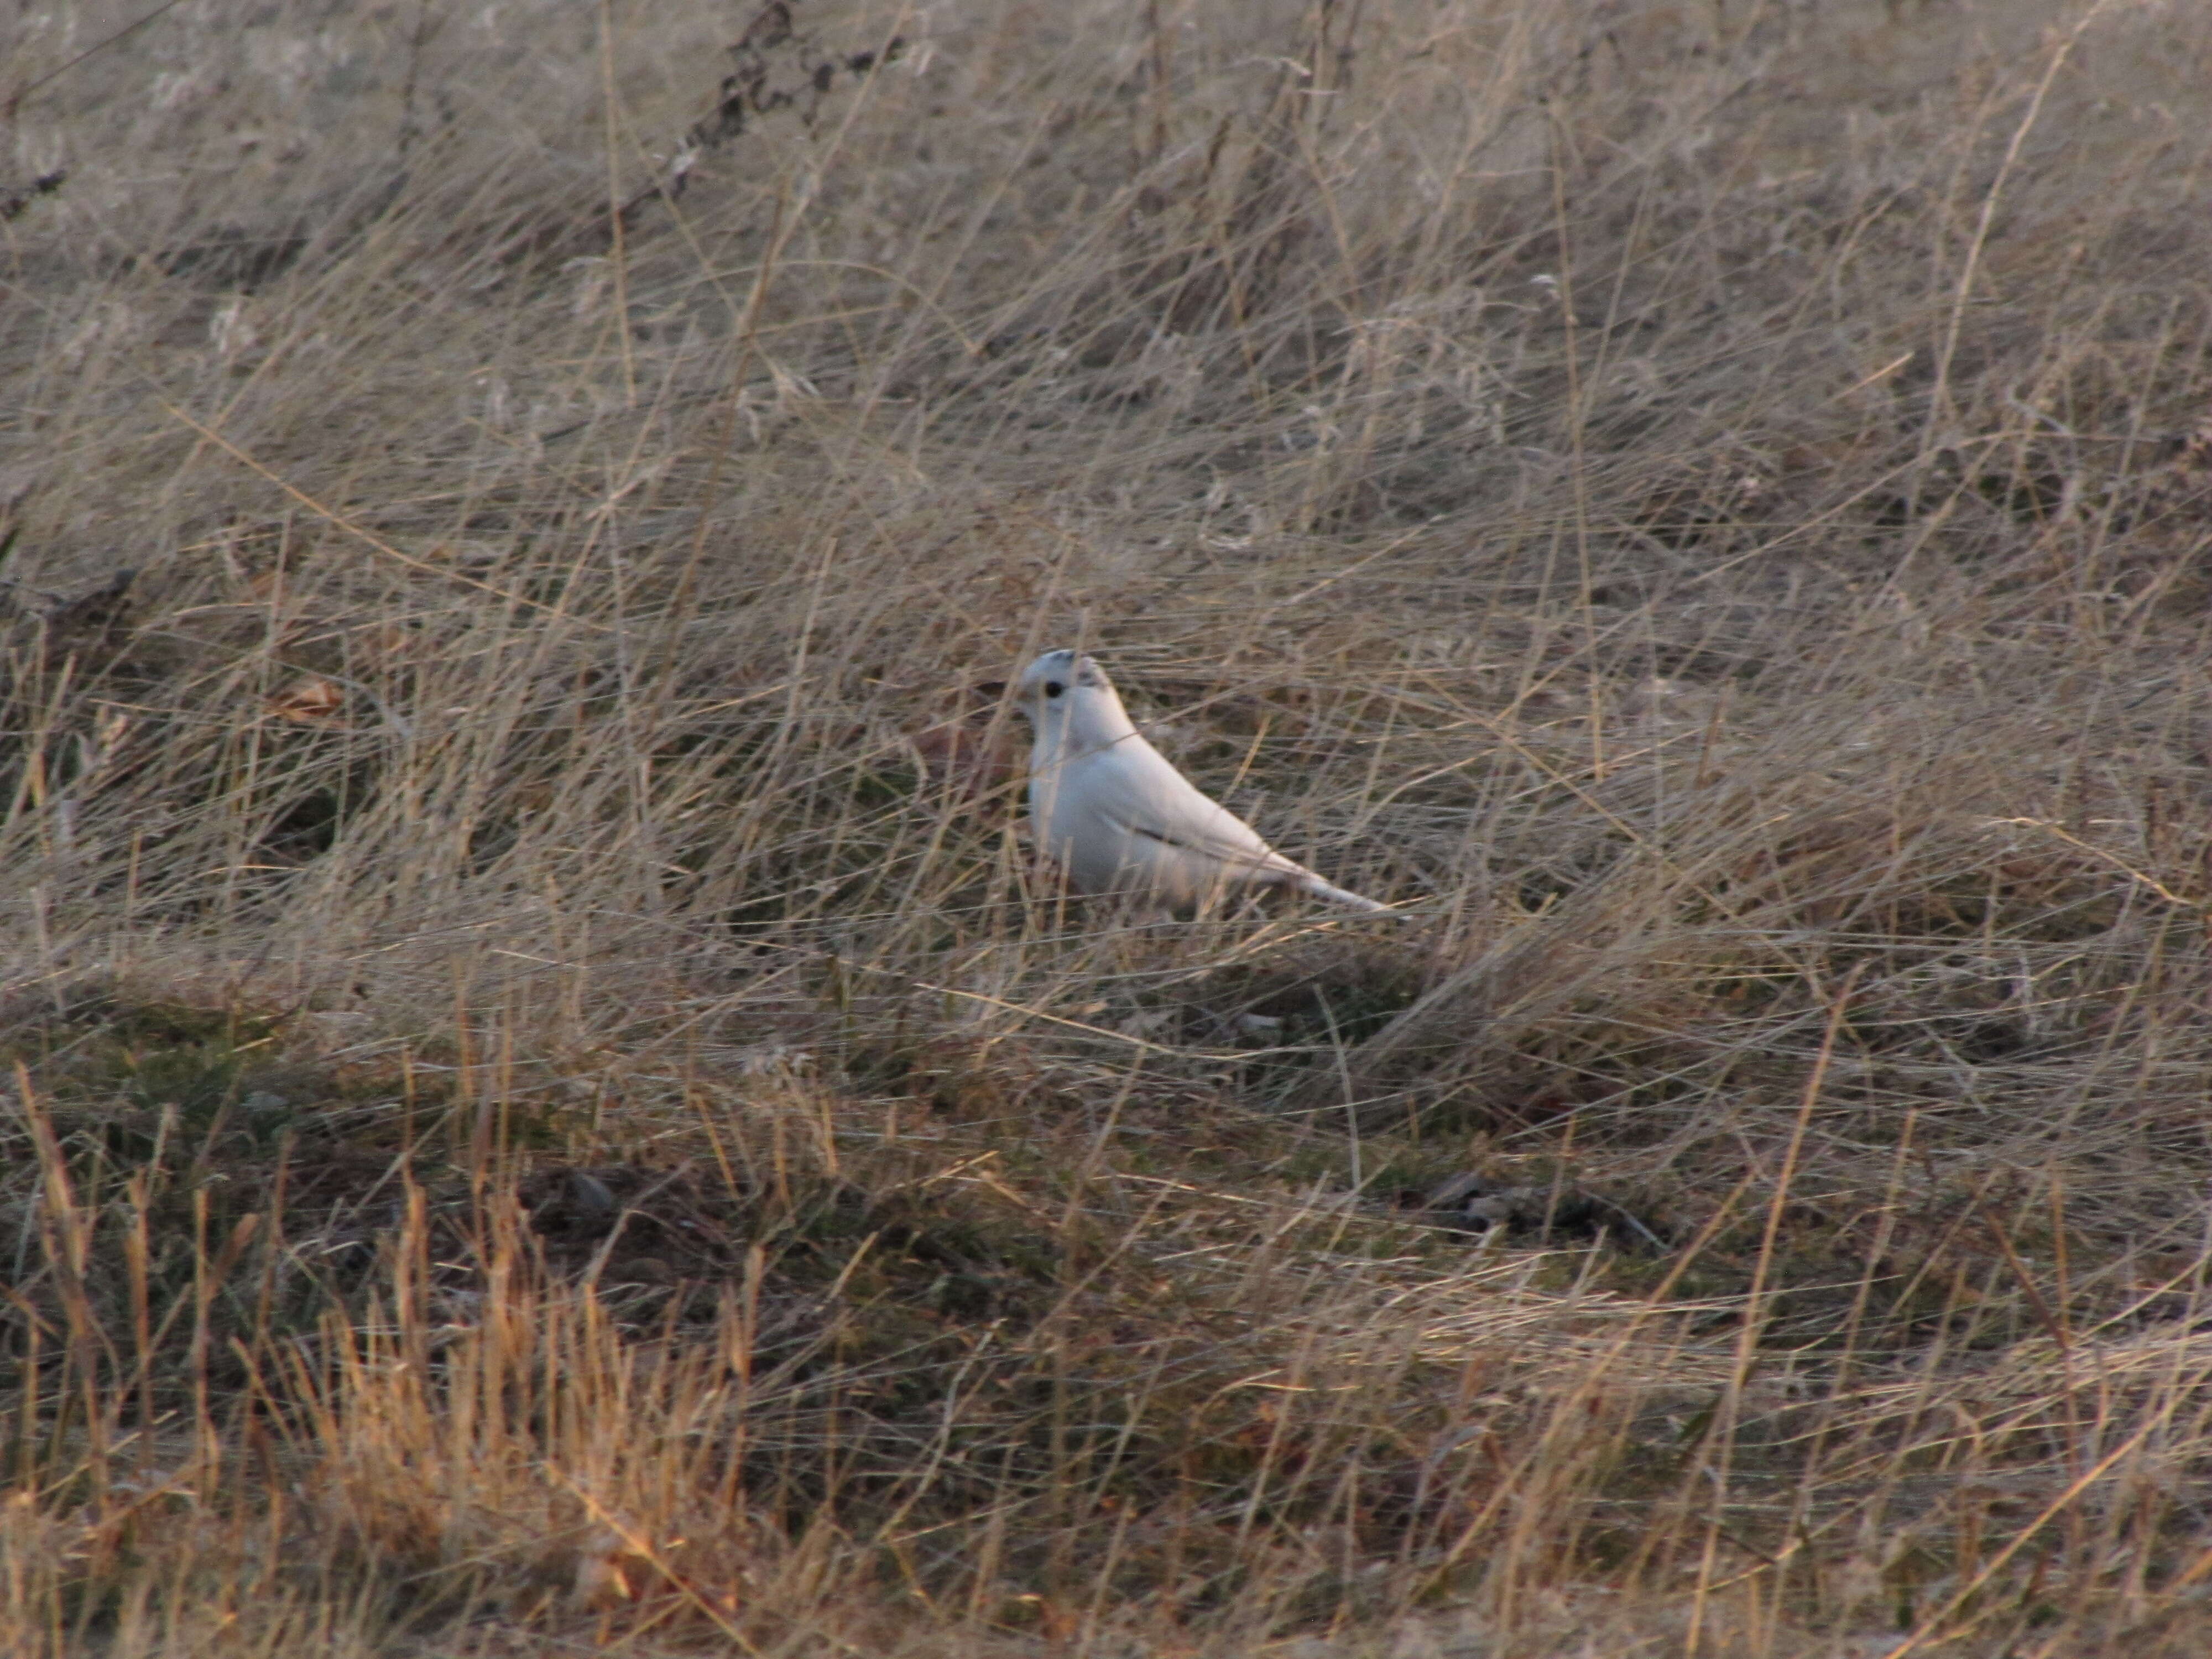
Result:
x=552 y=1110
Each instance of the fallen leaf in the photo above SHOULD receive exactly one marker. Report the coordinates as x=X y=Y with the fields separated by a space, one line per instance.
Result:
x=307 y=700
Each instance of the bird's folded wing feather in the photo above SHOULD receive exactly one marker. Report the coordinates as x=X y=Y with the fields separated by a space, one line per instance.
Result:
x=1174 y=812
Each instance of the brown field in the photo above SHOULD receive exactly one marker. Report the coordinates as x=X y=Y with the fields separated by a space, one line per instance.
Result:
x=548 y=1107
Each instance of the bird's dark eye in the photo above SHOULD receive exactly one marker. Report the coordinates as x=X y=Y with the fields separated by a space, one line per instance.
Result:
x=1054 y=687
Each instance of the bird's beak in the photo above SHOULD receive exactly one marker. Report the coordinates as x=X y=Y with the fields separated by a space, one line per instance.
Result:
x=991 y=696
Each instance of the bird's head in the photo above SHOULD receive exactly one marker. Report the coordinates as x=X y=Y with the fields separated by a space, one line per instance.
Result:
x=1066 y=695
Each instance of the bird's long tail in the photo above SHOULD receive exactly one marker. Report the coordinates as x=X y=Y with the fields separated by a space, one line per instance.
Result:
x=1311 y=883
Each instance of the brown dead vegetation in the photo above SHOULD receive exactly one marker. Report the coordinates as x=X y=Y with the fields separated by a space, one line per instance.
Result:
x=551 y=1105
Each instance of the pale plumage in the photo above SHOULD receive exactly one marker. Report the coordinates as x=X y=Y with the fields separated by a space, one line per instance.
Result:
x=1117 y=815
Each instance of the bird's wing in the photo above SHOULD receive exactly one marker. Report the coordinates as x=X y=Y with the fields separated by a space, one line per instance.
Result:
x=1135 y=790
x=1148 y=798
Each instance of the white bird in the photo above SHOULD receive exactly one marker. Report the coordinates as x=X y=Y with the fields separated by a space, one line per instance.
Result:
x=1117 y=815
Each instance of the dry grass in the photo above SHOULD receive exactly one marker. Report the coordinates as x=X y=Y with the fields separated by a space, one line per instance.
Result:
x=552 y=1110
